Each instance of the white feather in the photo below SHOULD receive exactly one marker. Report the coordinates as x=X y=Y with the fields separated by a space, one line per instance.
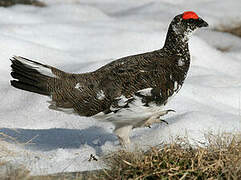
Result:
x=40 y=68
x=181 y=62
x=145 y=92
x=100 y=95
x=135 y=114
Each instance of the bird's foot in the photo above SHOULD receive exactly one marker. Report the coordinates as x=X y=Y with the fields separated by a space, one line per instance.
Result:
x=162 y=113
x=123 y=135
x=162 y=120
x=124 y=142
x=156 y=118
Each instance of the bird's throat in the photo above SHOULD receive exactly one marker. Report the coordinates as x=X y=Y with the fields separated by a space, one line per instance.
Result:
x=176 y=43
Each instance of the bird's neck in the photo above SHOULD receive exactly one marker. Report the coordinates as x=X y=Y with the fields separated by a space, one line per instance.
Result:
x=176 y=43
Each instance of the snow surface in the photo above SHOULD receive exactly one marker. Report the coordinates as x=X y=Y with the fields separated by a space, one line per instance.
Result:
x=80 y=36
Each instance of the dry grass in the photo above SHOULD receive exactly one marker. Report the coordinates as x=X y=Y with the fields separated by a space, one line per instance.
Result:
x=7 y=170
x=224 y=49
x=235 y=30
x=220 y=158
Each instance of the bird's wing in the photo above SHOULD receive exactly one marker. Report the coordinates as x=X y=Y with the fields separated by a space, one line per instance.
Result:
x=117 y=84
x=147 y=76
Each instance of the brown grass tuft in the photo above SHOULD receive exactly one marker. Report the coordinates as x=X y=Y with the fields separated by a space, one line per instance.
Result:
x=7 y=170
x=219 y=159
x=235 y=30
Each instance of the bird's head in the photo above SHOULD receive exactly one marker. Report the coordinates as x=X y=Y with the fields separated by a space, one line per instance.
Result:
x=186 y=23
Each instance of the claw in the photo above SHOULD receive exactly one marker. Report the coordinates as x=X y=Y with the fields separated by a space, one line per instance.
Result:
x=170 y=110
x=161 y=120
x=156 y=118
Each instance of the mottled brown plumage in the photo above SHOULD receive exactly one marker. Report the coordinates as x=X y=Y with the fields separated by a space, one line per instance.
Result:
x=119 y=90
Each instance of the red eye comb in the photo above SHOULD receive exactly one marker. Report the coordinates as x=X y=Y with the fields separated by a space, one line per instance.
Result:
x=189 y=15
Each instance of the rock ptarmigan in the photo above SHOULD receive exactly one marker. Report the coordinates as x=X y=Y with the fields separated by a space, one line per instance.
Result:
x=130 y=92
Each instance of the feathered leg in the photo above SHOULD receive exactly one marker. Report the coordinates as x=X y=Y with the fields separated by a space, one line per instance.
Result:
x=123 y=134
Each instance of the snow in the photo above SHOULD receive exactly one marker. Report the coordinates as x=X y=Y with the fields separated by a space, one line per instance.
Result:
x=80 y=36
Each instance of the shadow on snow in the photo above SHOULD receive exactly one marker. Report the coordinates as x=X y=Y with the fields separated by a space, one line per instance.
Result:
x=50 y=139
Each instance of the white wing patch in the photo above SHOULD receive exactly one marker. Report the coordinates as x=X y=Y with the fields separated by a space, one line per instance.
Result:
x=122 y=100
x=137 y=101
x=175 y=85
x=78 y=86
x=181 y=62
x=100 y=95
x=145 y=92
x=171 y=76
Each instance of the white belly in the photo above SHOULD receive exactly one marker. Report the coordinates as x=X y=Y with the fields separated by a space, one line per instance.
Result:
x=136 y=114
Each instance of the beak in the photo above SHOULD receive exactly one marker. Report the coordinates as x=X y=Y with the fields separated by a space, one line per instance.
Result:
x=202 y=23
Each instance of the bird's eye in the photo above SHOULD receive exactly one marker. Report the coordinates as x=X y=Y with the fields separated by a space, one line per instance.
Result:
x=191 y=20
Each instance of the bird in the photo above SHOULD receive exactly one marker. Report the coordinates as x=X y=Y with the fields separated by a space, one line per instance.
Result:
x=129 y=92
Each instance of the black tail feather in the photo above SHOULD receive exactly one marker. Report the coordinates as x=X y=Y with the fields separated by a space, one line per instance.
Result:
x=28 y=87
x=28 y=78
x=23 y=78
